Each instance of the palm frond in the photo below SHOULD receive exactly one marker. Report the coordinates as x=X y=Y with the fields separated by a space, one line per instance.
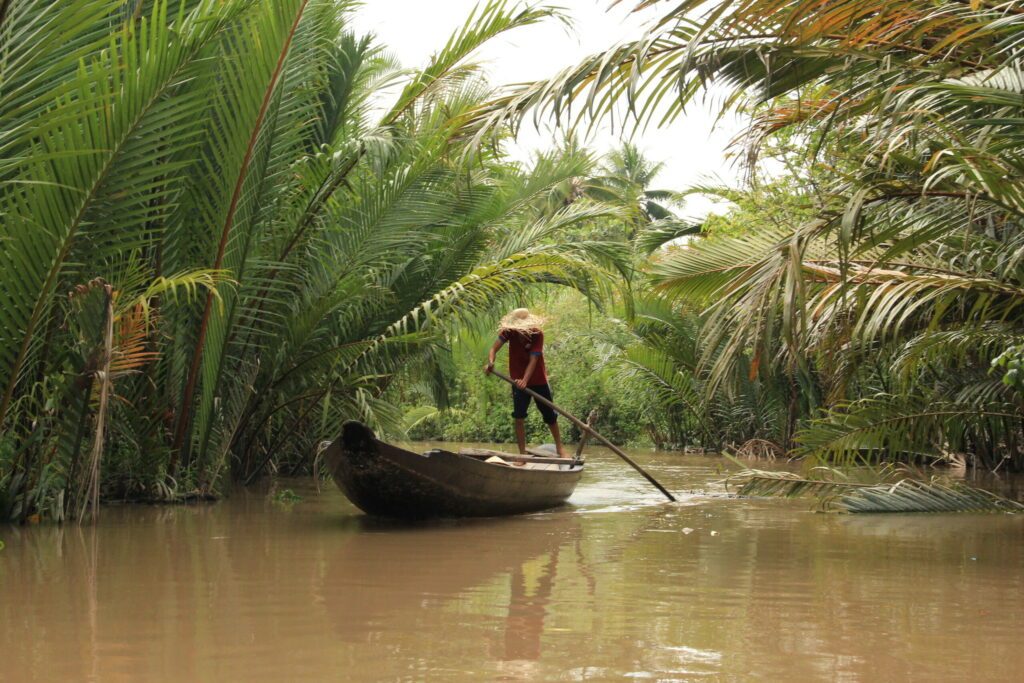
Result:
x=903 y=496
x=894 y=426
x=910 y=495
x=768 y=484
x=662 y=232
x=86 y=165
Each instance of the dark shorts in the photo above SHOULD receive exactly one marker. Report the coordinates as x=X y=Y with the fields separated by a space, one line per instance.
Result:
x=521 y=402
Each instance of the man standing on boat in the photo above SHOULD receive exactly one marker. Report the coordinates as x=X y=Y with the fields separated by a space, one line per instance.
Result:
x=521 y=330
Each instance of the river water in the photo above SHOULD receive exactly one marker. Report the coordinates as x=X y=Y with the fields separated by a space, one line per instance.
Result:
x=618 y=585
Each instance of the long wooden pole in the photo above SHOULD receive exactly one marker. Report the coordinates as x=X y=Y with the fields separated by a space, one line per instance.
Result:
x=588 y=429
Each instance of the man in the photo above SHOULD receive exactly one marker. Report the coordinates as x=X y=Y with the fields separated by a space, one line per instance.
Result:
x=521 y=330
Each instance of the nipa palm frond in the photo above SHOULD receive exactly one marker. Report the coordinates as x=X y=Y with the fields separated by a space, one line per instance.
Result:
x=911 y=495
x=906 y=495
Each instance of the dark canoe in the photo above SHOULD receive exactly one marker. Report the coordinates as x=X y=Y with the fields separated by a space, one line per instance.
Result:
x=387 y=481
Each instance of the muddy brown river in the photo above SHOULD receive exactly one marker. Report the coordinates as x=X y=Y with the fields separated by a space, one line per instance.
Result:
x=617 y=586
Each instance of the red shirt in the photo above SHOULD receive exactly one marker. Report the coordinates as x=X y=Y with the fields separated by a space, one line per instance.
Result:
x=522 y=345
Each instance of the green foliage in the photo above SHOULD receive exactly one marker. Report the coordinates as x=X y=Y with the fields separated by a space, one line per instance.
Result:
x=660 y=358
x=1011 y=363
x=881 y=273
x=215 y=247
x=273 y=250
x=482 y=406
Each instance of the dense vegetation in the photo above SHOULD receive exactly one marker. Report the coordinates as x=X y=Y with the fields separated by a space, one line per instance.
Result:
x=215 y=249
x=585 y=335
x=216 y=245
x=880 y=324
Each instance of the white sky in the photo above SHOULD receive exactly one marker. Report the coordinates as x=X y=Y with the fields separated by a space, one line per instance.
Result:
x=693 y=147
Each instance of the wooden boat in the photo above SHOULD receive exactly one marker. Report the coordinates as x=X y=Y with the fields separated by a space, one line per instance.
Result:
x=384 y=480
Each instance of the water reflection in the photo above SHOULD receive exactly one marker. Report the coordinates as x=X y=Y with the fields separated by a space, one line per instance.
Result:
x=617 y=585
x=527 y=607
x=397 y=576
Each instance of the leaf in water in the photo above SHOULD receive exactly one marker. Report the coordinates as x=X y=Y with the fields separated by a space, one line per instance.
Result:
x=906 y=495
x=911 y=495
x=286 y=497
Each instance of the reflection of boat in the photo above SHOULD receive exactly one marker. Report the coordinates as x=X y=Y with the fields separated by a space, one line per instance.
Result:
x=388 y=481
x=390 y=577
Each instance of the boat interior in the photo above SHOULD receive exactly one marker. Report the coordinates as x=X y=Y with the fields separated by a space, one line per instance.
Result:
x=536 y=458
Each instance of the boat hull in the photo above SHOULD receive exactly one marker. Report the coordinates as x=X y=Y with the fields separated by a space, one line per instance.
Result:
x=387 y=481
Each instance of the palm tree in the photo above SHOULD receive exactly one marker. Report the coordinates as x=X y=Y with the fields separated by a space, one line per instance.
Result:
x=215 y=248
x=660 y=357
x=906 y=285
x=625 y=179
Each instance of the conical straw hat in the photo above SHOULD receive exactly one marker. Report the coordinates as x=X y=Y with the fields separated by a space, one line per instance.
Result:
x=521 y=319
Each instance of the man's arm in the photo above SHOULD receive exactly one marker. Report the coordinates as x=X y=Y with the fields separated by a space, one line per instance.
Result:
x=495 y=347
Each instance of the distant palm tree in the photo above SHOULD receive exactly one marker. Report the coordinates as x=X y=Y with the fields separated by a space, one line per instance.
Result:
x=625 y=179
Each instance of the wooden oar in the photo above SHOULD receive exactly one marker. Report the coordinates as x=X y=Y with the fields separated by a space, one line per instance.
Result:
x=591 y=419
x=586 y=428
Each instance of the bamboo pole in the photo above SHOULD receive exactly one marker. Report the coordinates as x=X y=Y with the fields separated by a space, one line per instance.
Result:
x=586 y=428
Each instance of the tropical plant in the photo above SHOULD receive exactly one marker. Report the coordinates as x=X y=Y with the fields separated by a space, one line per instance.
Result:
x=624 y=179
x=660 y=357
x=898 y=294
x=216 y=245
